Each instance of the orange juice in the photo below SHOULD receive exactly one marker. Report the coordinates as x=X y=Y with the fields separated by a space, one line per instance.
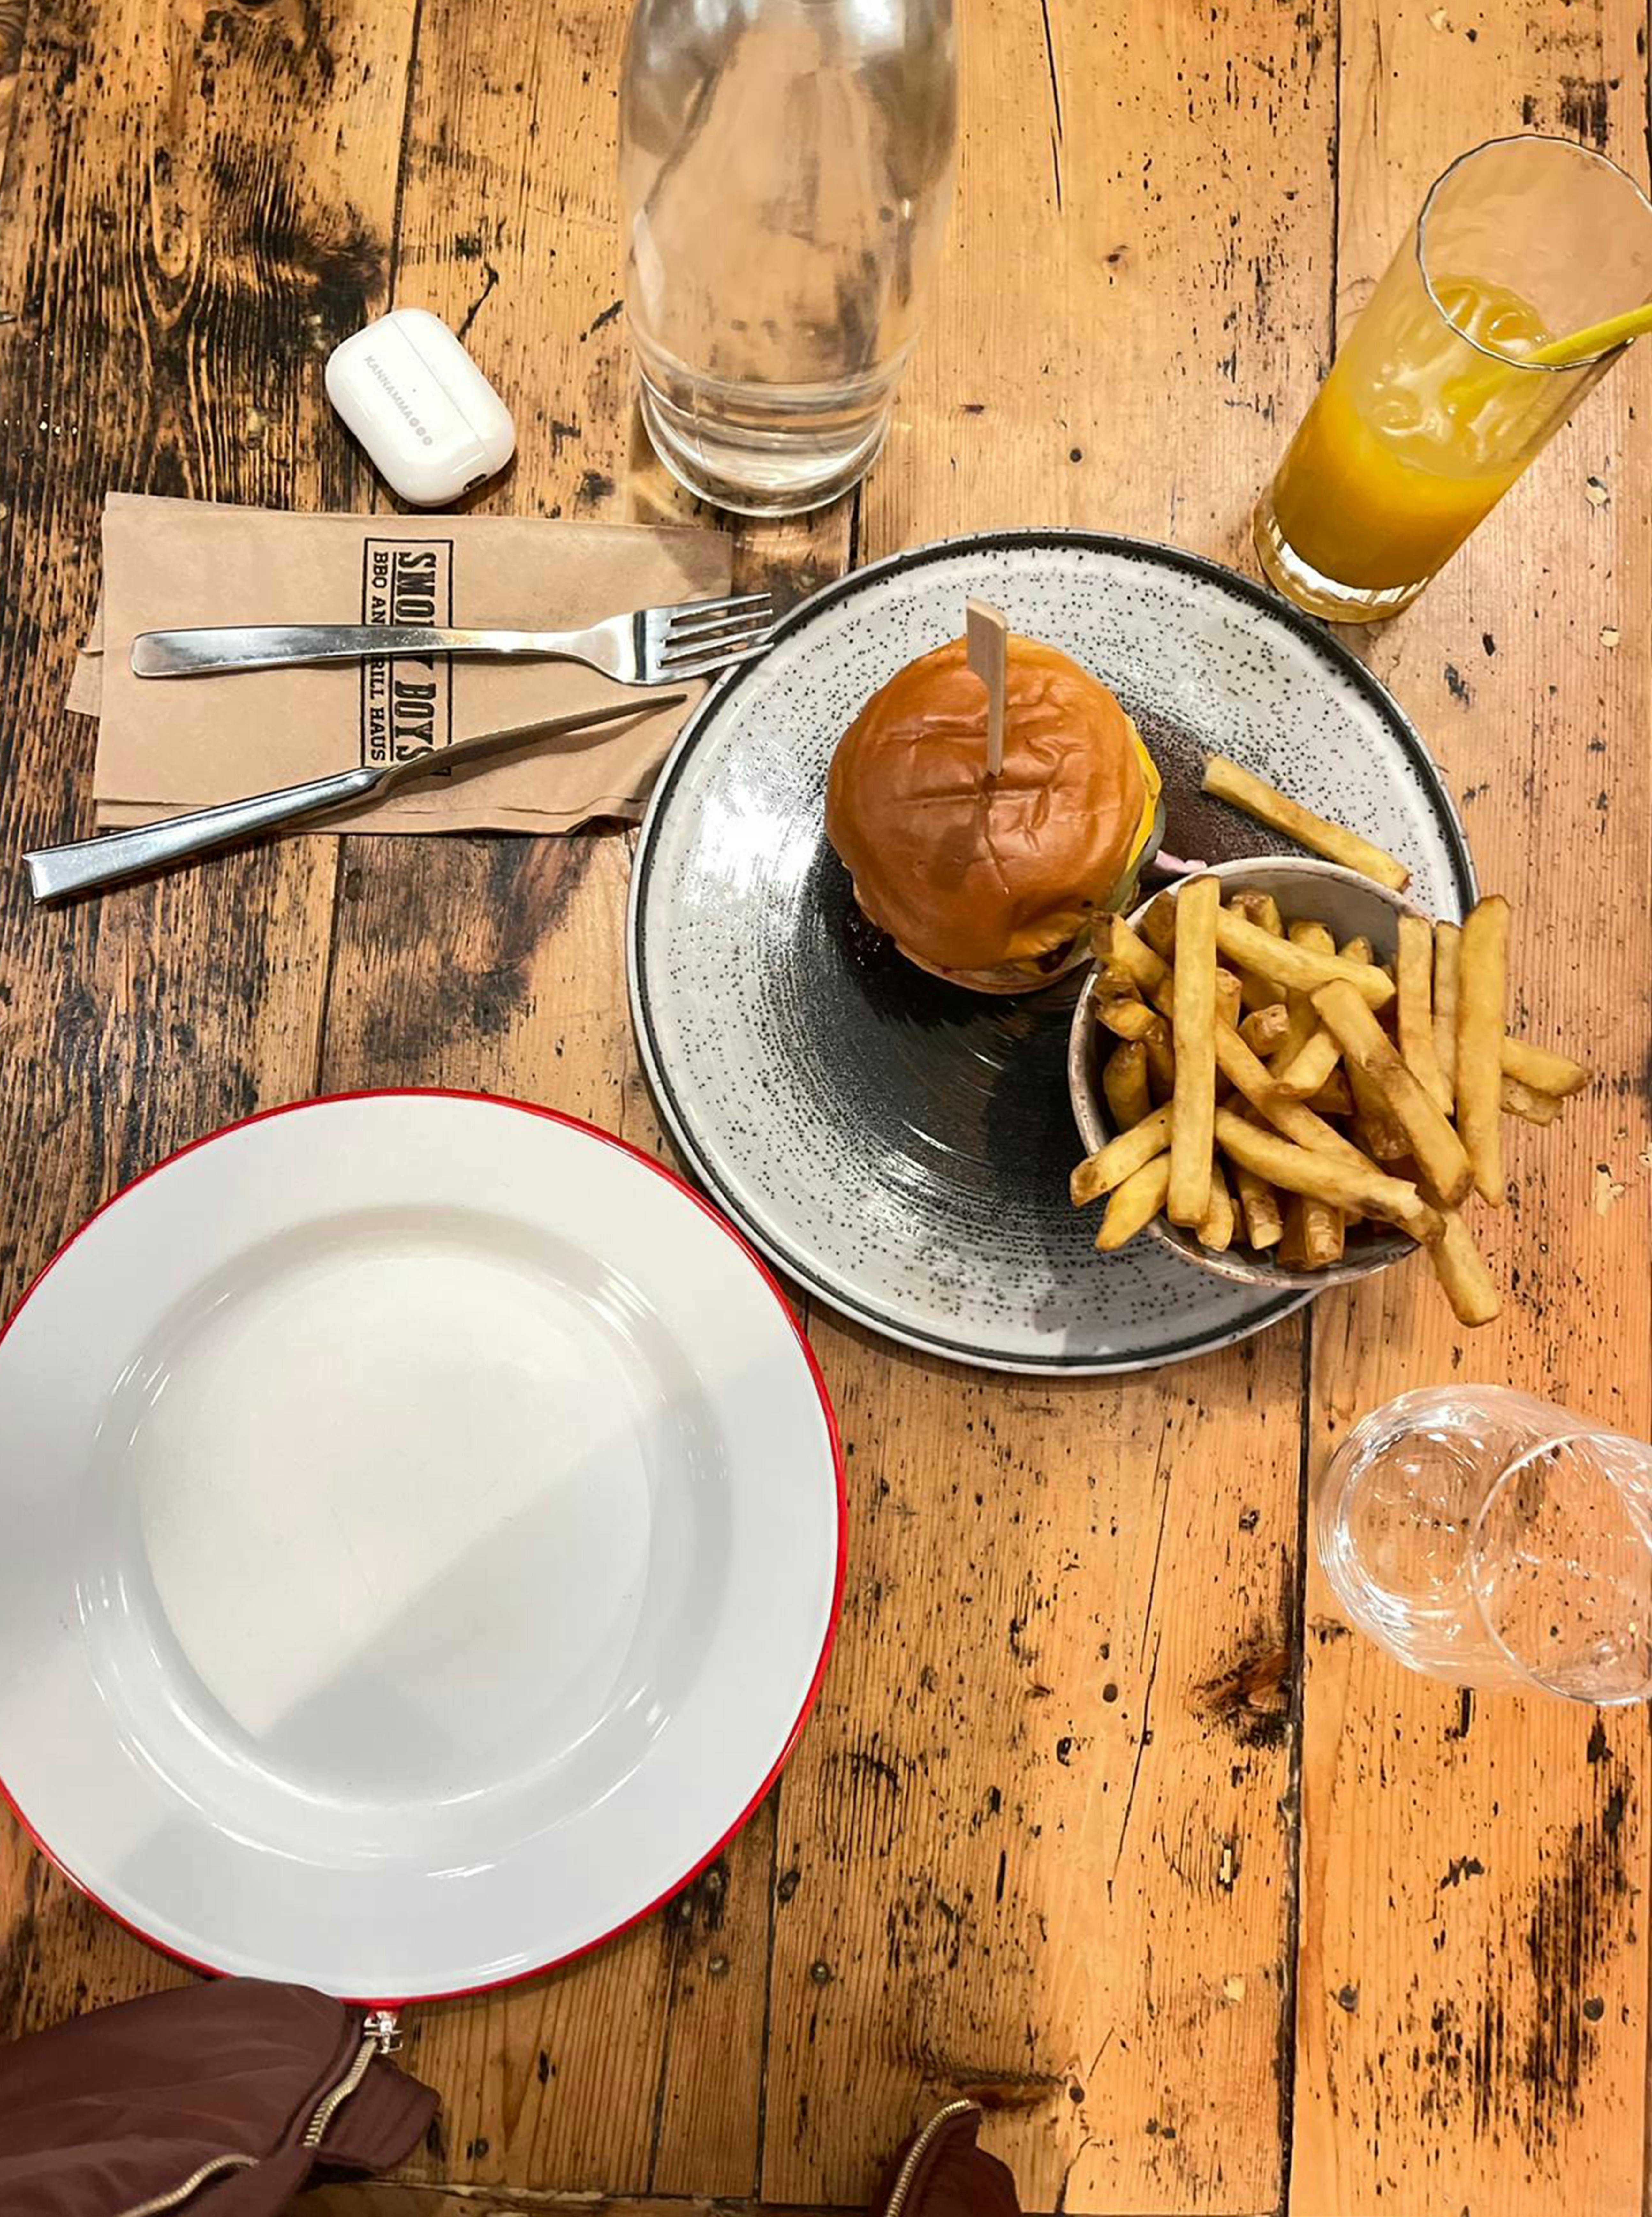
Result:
x=1414 y=436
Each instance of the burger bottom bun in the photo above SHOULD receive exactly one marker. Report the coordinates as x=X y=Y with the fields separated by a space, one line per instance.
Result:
x=1011 y=978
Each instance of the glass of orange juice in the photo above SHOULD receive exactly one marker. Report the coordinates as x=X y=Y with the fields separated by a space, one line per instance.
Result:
x=1434 y=406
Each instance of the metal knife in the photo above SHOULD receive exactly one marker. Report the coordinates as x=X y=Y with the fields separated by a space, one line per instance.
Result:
x=85 y=863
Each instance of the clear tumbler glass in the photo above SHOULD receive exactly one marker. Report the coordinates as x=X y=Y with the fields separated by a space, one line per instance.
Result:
x=1433 y=407
x=787 y=169
x=1496 y=1541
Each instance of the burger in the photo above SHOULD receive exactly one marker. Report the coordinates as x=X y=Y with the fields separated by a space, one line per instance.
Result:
x=991 y=882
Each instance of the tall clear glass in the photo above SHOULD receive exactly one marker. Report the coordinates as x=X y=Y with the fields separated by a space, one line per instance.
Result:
x=1496 y=1541
x=1430 y=411
x=786 y=171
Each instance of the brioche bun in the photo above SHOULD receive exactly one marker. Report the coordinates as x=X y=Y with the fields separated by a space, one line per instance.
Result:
x=991 y=882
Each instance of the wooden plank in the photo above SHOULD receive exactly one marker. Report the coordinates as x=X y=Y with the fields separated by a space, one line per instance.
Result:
x=1032 y=1848
x=14 y=19
x=1040 y=1834
x=193 y=205
x=499 y=965
x=1472 y=1997
x=1121 y=352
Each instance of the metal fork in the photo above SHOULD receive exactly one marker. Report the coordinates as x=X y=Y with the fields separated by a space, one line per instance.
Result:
x=654 y=646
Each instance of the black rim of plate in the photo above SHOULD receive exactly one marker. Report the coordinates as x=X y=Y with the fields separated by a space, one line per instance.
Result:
x=1150 y=553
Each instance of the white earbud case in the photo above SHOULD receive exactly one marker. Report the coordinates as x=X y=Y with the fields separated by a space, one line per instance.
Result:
x=430 y=421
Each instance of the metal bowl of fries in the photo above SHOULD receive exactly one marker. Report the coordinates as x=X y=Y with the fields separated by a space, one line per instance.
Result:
x=1119 y=1073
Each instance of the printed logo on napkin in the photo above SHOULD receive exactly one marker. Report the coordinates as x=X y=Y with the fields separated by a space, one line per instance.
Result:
x=406 y=705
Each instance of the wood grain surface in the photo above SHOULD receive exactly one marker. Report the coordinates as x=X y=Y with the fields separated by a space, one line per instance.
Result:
x=1103 y=1816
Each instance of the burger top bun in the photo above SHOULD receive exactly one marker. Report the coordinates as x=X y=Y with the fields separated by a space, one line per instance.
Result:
x=990 y=881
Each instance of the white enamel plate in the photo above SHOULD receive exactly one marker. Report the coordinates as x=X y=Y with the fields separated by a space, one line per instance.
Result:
x=423 y=1535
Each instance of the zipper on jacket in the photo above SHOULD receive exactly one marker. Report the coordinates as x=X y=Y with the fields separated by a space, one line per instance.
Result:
x=381 y=2035
x=193 y=2185
x=919 y=2148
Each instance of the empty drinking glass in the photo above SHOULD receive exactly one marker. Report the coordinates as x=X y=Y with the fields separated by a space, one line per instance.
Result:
x=1496 y=1541
x=787 y=171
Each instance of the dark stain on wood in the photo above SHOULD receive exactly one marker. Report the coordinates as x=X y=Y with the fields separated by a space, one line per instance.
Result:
x=858 y=1798
x=1532 y=2079
x=1573 y=1929
x=994 y=2088
x=17 y=1962
x=1461 y=1867
x=614 y=309
x=1584 y=109
x=1252 y=1697
x=517 y=901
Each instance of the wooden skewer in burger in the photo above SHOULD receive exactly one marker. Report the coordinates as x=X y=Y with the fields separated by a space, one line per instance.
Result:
x=989 y=876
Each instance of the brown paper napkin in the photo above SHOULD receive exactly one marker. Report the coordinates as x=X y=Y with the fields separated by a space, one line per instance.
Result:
x=165 y=744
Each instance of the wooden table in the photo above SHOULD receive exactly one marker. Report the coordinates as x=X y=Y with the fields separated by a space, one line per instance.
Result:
x=1102 y=1815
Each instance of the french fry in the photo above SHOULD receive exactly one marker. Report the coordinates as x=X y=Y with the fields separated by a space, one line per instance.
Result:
x=1293 y=1248
x=1120 y=1158
x=1415 y=978
x=1161 y=1061
x=1288 y=962
x=1130 y=952
x=1112 y=983
x=1130 y=1018
x=1303 y=1022
x=1258 y=799
x=1379 y=1133
x=1133 y=1205
x=1198 y=905
x=1524 y=1100
x=1367 y=1048
x=1322 y=1234
x=1542 y=1069
x=1263 y=1029
x=1319 y=1175
x=1124 y=1084
x=1159 y=926
x=1217 y=1231
x=1312 y=1068
x=1461 y=1268
x=1229 y=992
x=1263 y=910
x=1295 y=1119
x=1482 y=997
x=1448 y=938
x=1260 y=1207
x=1335 y=1098
x=1376 y=1128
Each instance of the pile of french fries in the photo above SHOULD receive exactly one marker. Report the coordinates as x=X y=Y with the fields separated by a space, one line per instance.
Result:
x=1271 y=1087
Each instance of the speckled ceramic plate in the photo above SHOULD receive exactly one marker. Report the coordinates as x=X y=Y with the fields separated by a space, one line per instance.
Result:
x=902 y=1147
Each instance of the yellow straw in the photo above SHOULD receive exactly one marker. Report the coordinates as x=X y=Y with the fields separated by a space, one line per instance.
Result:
x=1597 y=339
